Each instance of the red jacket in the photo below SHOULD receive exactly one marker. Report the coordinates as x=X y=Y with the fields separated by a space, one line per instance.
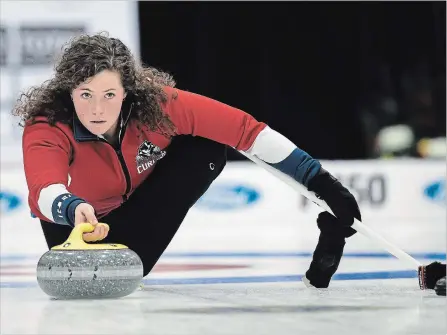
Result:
x=90 y=168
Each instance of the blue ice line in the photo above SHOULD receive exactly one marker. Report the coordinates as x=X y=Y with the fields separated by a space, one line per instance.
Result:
x=253 y=279
x=280 y=254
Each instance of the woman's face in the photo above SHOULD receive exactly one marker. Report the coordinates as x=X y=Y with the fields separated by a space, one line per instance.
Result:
x=98 y=102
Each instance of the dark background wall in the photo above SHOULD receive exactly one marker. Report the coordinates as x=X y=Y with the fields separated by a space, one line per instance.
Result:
x=326 y=75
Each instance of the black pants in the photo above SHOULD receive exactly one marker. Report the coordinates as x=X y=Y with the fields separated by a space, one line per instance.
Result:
x=148 y=221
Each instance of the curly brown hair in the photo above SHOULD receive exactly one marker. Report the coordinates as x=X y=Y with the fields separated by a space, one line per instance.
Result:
x=85 y=56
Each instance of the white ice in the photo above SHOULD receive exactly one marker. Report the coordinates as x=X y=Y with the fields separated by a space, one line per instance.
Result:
x=364 y=307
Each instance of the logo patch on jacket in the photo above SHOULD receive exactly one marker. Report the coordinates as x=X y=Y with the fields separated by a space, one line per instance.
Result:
x=148 y=154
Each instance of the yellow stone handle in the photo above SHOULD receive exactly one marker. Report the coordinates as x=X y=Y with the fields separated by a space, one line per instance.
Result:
x=80 y=229
x=76 y=241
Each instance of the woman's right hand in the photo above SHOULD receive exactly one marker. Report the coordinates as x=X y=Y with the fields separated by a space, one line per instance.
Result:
x=84 y=213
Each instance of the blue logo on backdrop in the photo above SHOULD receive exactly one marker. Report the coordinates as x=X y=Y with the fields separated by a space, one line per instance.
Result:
x=436 y=191
x=228 y=197
x=9 y=202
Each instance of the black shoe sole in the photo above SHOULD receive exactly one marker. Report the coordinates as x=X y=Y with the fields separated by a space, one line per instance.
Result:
x=440 y=287
x=440 y=292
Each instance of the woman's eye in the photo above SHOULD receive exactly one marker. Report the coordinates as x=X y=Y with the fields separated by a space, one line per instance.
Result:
x=85 y=95
x=110 y=95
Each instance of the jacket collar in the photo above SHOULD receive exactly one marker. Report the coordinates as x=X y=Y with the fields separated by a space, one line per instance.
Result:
x=81 y=134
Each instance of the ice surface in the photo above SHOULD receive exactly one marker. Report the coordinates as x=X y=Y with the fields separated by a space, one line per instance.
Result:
x=229 y=301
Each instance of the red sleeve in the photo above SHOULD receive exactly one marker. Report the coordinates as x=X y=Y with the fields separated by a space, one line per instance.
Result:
x=197 y=115
x=46 y=154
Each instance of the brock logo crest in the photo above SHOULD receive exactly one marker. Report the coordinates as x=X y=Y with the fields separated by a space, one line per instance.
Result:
x=147 y=155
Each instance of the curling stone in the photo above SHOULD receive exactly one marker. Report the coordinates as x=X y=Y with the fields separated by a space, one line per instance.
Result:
x=78 y=270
